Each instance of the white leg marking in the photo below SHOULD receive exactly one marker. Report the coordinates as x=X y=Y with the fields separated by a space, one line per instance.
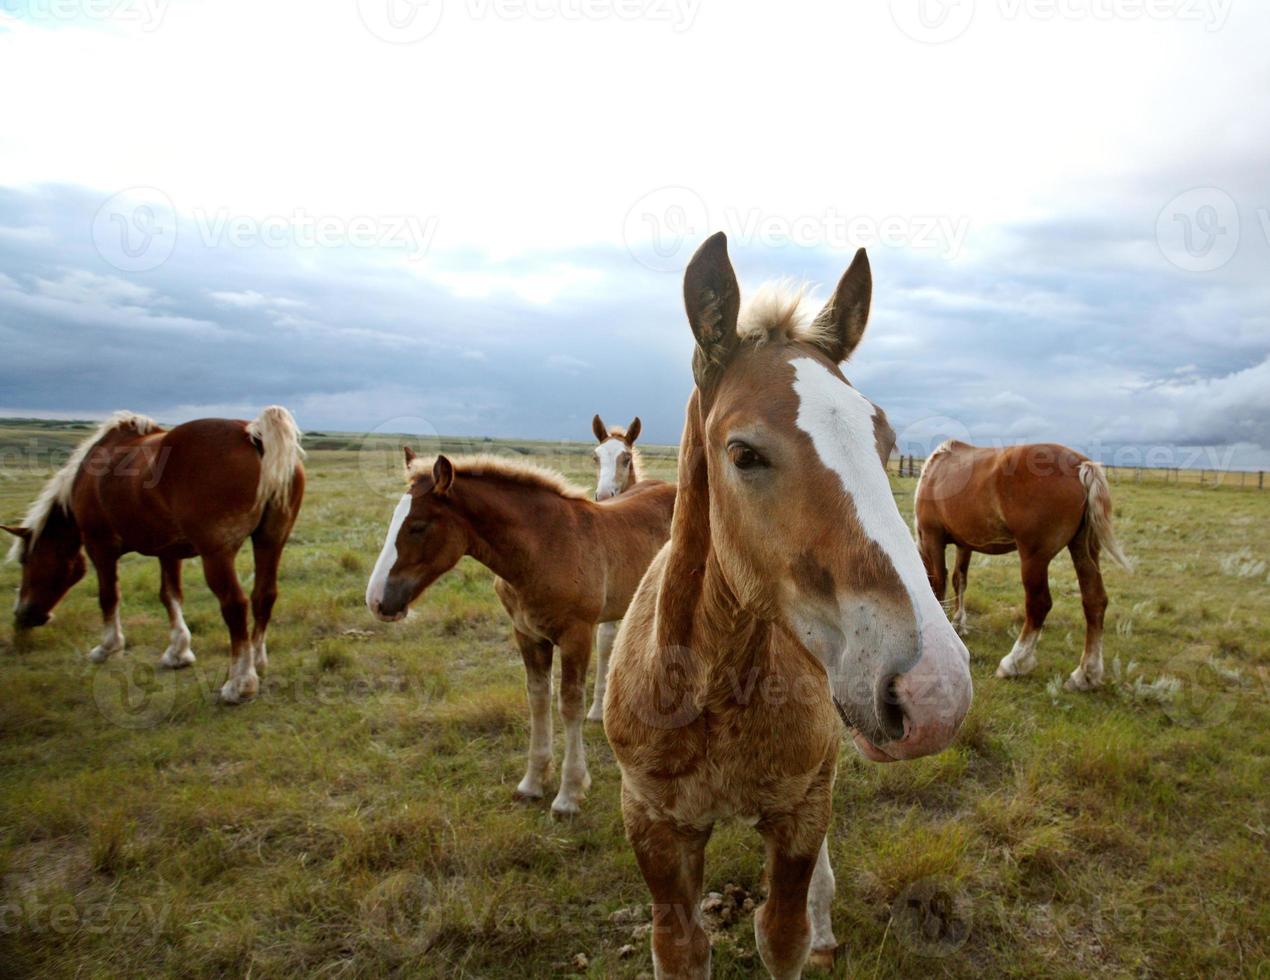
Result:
x=539 y=691
x=1088 y=675
x=111 y=640
x=261 y=653
x=178 y=654
x=1022 y=658
x=604 y=636
x=820 y=902
x=574 y=778
x=243 y=681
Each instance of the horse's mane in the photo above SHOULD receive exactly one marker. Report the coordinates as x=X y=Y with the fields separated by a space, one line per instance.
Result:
x=57 y=491
x=781 y=310
x=514 y=471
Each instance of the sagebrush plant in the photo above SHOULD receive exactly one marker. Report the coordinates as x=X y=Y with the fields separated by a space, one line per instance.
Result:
x=358 y=821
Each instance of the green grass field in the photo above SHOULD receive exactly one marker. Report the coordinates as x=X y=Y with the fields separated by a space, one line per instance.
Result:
x=357 y=818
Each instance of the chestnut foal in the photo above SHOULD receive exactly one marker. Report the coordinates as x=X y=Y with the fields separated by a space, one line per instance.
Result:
x=201 y=489
x=617 y=470
x=790 y=595
x=563 y=563
x=1035 y=499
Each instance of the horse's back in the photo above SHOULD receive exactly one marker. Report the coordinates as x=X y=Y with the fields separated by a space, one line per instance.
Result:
x=990 y=499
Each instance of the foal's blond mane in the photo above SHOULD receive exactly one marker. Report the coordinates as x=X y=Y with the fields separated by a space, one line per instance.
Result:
x=782 y=310
x=514 y=471
x=57 y=491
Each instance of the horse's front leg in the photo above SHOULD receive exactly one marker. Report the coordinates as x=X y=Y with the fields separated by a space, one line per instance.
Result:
x=178 y=654
x=605 y=634
x=800 y=890
x=575 y=780
x=537 y=656
x=106 y=564
x=672 y=861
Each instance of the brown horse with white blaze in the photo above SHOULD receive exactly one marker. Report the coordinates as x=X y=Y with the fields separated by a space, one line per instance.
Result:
x=1034 y=499
x=563 y=564
x=199 y=489
x=790 y=596
x=616 y=471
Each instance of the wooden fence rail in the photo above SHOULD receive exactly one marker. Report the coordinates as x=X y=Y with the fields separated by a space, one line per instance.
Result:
x=911 y=466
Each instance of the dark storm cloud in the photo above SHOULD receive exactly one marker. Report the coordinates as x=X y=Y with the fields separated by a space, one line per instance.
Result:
x=1076 y=330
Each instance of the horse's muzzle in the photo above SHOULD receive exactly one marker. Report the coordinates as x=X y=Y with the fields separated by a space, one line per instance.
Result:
x=27 y=617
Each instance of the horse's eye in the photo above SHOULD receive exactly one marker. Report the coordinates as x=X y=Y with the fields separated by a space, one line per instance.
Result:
x=417 y=527
x=743 y=457
x=624 y=458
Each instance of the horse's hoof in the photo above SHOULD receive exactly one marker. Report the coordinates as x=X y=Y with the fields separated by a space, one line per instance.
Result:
x=526 y=796
x=100 y=654
x=177 y=661
x=822 y=959
x=234 y=693
x=565 y=809
x=595 y=714
x=1080 y=681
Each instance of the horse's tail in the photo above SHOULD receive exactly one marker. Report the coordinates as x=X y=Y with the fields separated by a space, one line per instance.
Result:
x=279 y=438
x=1098 y=511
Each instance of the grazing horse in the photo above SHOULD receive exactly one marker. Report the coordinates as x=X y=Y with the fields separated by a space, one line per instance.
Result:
x=199 y=489
x=1037 y=500
x=789 y=596
x=617 y=470
x=564 y=564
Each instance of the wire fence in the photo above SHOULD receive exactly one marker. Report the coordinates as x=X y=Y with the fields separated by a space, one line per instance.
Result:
x=911 y=466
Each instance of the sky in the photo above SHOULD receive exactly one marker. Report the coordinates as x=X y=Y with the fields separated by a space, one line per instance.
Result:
x=471 y=217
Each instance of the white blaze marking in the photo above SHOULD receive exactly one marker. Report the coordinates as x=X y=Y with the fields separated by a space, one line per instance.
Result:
x=839 y=421
x=608 y=454
x=387 y=557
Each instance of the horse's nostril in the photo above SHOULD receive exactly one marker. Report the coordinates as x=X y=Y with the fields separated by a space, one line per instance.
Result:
x=890 y=711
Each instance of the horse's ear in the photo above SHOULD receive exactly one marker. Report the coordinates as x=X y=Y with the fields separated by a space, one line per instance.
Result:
x=410 y=455
x=597 y=426
x=840 y=325
x=633 y=430
x=442 y=476
x=712 y=299
x=17 y=531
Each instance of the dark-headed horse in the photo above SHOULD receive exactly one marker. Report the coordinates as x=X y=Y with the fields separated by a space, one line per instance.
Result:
x=790 y=595
x=1036 y=499
x=199 y=489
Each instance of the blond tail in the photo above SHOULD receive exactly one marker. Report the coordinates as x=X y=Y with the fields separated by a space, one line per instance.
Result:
x=279 y=438
x=1098 y=511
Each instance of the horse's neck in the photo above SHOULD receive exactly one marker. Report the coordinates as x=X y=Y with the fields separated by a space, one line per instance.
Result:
x=633 y=475
x=507 y=526
x=697 y=608
x=62 y=527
